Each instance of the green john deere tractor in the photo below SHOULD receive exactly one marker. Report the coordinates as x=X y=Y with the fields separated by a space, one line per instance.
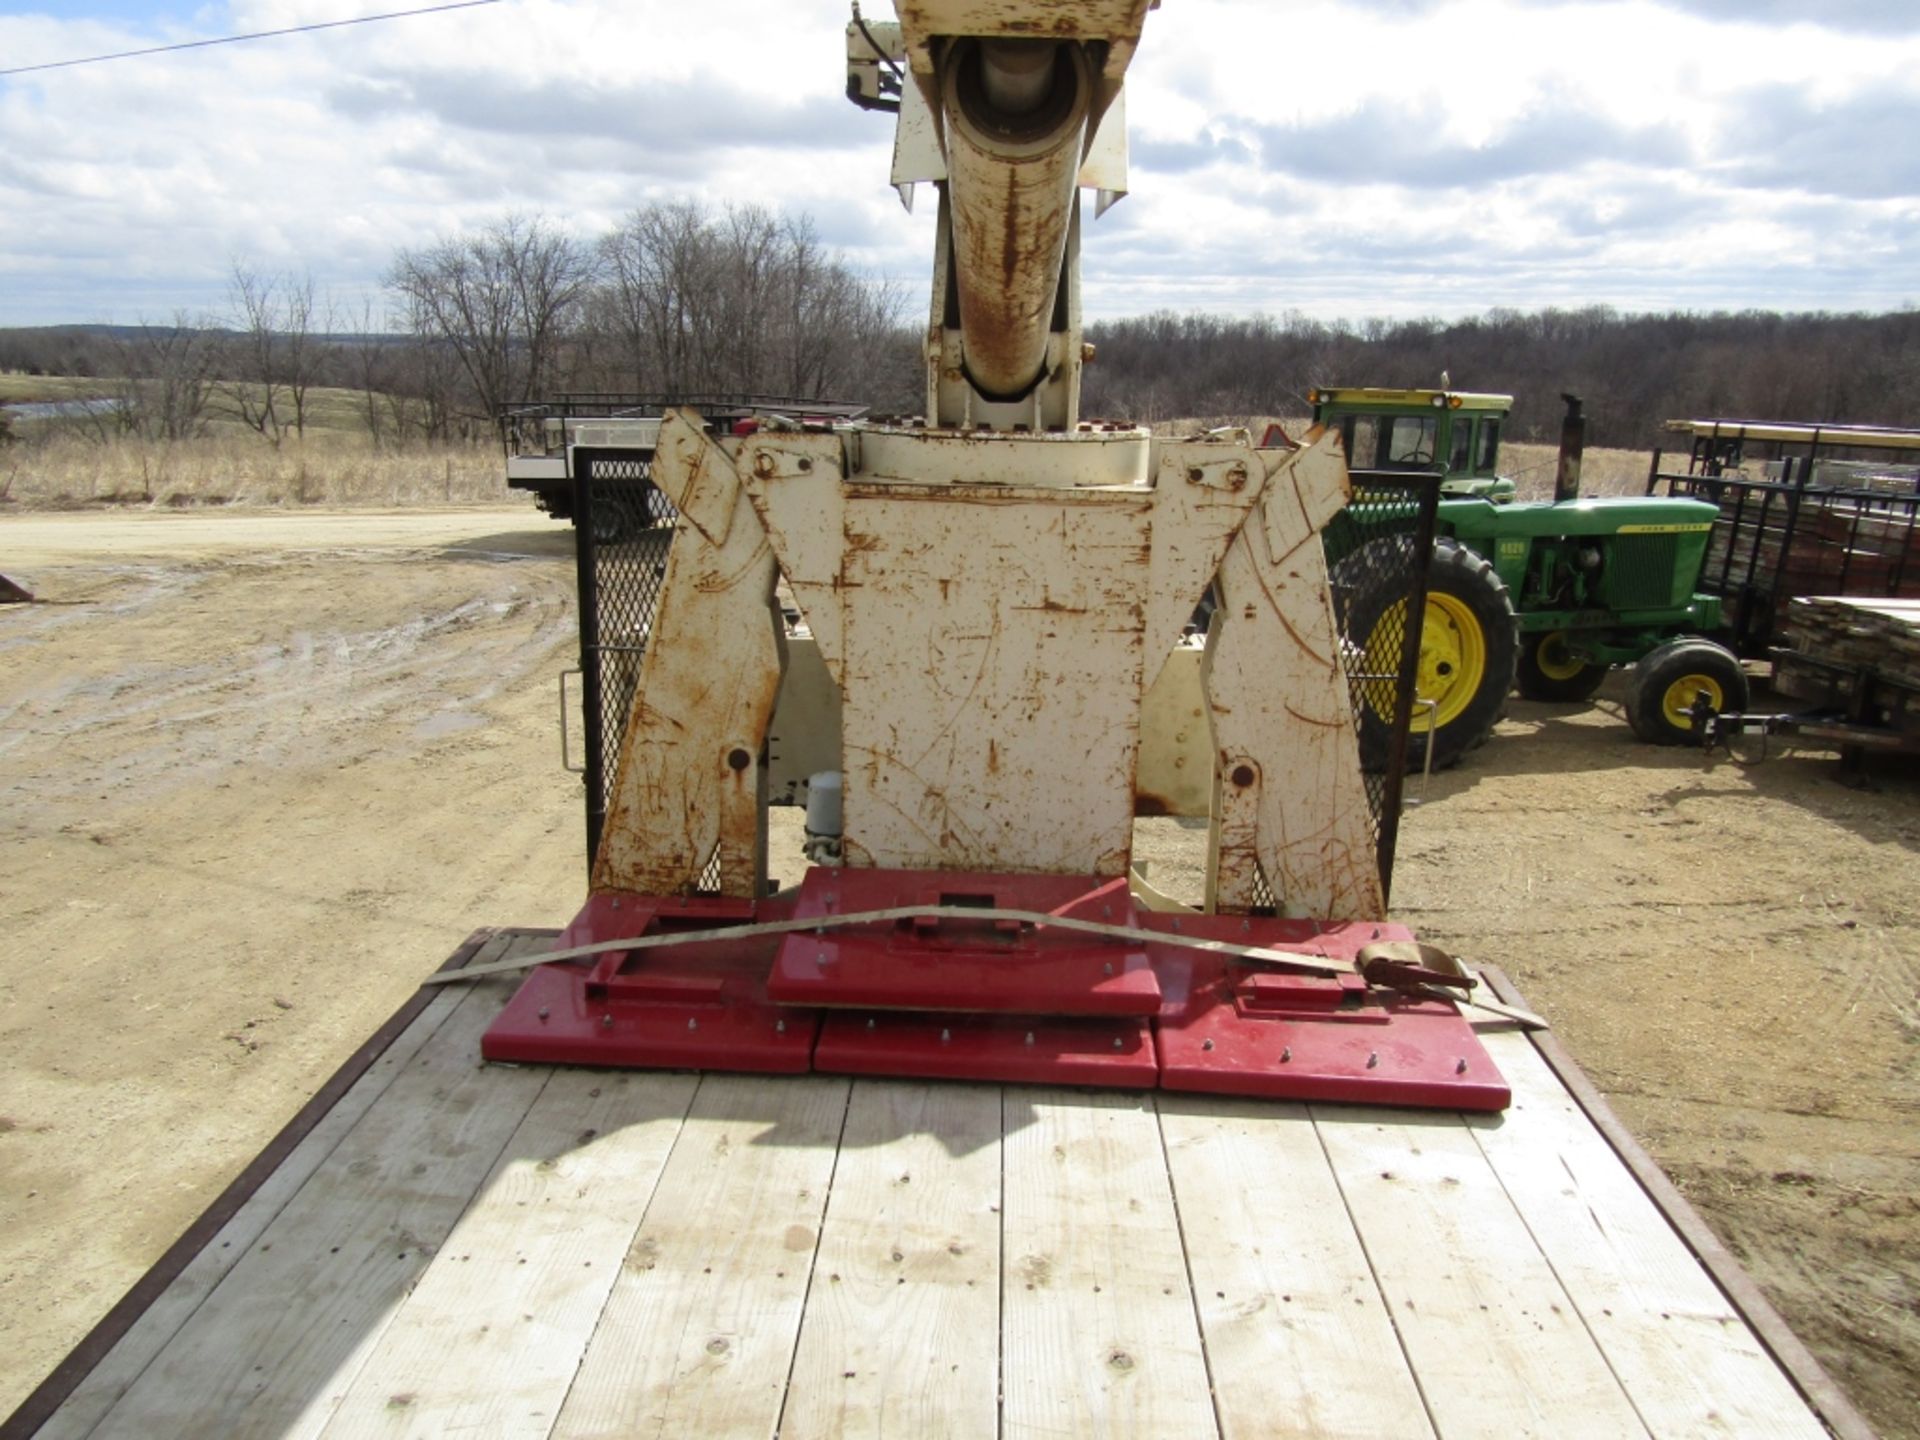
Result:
x=1543 y=596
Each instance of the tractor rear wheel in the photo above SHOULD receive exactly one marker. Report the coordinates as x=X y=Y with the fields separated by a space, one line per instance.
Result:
x=1669 y=680
x=1548 y=671
x=1468 y=650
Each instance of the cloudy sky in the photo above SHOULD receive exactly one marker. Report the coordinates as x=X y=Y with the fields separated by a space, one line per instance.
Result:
x=1339 y=157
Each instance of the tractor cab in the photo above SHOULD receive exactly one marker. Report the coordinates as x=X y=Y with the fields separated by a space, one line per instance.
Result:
x=1452 y=433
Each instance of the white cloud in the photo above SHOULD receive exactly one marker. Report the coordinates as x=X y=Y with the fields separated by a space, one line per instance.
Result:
x=1344 y=157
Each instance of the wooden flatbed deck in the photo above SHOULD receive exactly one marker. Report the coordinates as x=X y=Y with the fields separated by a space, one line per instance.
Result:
x=441 y=1246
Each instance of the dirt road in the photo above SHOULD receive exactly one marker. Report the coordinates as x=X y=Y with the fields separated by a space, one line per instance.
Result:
x=263 y=771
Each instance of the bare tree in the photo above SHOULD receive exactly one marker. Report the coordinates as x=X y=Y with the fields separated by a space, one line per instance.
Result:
x=745 y=301
x=501 y=299
x=165 y=379
x=275 y=356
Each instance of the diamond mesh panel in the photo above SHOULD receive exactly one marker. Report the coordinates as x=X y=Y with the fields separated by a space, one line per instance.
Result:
x=1377 y=554
x=623 y=545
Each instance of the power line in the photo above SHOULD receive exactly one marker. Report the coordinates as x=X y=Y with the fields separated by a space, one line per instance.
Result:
x=256 y=35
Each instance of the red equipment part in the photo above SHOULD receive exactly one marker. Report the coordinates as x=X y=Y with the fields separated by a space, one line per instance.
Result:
x=997 y=999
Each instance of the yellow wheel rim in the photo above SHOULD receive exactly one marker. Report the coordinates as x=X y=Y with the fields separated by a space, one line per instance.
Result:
x=1677 y=702
x=1453 y=660
x=1552 y=659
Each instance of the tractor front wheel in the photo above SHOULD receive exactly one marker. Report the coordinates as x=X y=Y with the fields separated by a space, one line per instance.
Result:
x=1468 y=649
x=1670 y=680
x=1550 y=671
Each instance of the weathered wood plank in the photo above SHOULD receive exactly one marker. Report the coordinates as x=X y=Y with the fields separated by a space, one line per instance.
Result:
x=276 y=1345
x=698 y=1335
x=1293 y=1320
x=514 y=1295
x=1098 y=1335
x=161 y=1321
x=1498 y=1347
x=902 y=1321
x=1689 y=1363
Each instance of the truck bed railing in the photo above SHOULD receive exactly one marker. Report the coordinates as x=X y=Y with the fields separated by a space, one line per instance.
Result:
x=525 y=428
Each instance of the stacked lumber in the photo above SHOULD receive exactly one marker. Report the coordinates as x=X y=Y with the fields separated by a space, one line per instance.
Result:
x=1881 y=634
x=1840 y=542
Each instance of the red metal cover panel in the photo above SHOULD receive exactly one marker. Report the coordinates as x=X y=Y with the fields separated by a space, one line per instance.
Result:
x=1000 y=967
x=700 y=1006
x=994 y=999
x=1116 y=1053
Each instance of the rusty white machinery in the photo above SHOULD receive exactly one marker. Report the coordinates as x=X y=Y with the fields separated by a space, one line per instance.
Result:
x=988 y=592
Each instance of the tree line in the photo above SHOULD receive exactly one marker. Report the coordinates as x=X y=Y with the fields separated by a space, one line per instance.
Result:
x=680 y=298
x=675 y=299
x=1633 y=371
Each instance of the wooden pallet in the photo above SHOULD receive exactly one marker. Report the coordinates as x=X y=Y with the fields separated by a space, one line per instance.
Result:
x=442 y=1246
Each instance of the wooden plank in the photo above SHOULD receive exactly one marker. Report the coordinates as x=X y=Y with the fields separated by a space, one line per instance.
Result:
x=902 y=1321
x=698 y=1334
x=1293 y=1321
x=273 y=1179
x=518 y=1287
x=1098 y=1334
x=1687 y=1360
x=1497 y=1346
x=277 y=1343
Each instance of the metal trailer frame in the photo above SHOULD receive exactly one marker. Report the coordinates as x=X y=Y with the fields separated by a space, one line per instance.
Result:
x=1800 y=513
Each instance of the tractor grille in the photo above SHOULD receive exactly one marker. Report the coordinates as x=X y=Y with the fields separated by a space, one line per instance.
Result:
x=1640 y=572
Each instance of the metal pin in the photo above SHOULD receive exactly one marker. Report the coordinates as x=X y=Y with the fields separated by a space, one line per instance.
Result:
x=819 y=957
x=1176 y=922
x=945 y=1036
x=1373 y=1058
x=606 y=1020
x=544 y=1012
x=692 y=1024
x=1116 y=1042
x=1107 y=969
x=1029 y=1039
x=1460 y=1066
x=616 y=902
x=1106 y=912
x=1286 y=1053
x=779 y=1027
x=1246 y=925
x=1206 y=1044
x=1376 y=932
x=870 y=1022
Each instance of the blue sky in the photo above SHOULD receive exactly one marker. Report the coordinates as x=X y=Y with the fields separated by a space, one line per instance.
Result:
x=1340 y=157
x=134 y=12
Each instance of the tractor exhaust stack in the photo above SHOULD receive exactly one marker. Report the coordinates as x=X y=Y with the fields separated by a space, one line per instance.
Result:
x=1573 y=444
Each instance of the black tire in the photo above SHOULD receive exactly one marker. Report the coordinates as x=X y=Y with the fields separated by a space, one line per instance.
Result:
x=1468 y=621
x=1547 y=672
x=1668 y=679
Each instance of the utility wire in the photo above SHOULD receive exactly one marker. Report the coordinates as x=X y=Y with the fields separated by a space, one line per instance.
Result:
x=256 y=35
